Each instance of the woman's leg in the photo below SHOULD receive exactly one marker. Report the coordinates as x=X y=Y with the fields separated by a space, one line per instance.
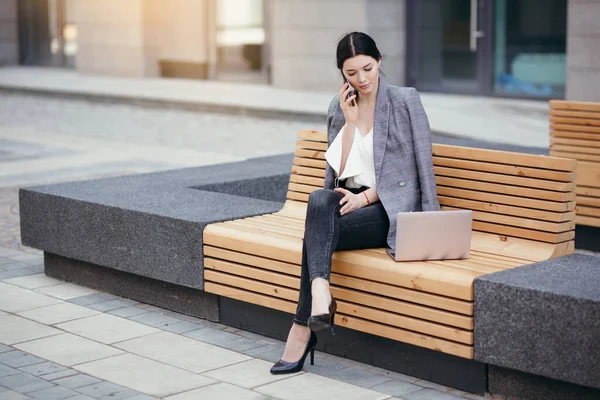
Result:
x=325 y=232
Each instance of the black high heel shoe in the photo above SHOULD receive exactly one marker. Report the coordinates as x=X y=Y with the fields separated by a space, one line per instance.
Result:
x=285 y=367
x=323 y=321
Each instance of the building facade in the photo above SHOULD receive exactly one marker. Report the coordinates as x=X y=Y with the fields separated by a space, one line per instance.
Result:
x=516 y=48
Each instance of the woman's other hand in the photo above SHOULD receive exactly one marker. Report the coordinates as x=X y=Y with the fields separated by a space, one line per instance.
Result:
x=350 y=111
x=351 y=202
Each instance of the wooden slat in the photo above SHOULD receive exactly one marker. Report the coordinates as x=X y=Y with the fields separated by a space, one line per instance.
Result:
x=505 y=209
x=575 y=114
x=505 y=179
x=521 y=222
x=310 y=162
x=504 y=189
x=505 y=169
x=577 y=156
x=504 y=199
x=588 y=201
x=504 y=157
x=523 y=233
x=588 y=174
x=348 y=321
x=573 y=135
x=297 y=196
x=250 y=297
x=316 y=136
x=588 y=191
x=575 y=142
x=574 y=105
x=320 y=155
x=254 y=286
x=574 y=121
x=297 y=187
x=588 y=211
x=565 y=148
x=307 y=180
x=516 y=247
x=588 y=221
x=306 y=144
x=318 y=173
x=407 y=295
x=248 y=259
x=575 y=128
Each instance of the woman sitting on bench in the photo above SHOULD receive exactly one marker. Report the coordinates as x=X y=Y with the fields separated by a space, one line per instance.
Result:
x=379 y=163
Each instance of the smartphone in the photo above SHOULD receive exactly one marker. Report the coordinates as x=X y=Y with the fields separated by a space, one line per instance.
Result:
x=351 y=92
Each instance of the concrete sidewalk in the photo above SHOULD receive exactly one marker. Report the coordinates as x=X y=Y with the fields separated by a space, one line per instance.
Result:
x=508 y=121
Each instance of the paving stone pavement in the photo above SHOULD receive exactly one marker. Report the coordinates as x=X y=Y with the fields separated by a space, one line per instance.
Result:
x=101 y=346
x=62 y=341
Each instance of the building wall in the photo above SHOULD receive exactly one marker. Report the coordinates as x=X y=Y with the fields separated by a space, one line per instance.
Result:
x=9 y=39
x=131 y=38
x=583 y=50
x=304 y=35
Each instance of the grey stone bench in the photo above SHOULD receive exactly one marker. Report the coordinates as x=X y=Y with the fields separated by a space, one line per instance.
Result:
x=140 y=235
x=538 y=328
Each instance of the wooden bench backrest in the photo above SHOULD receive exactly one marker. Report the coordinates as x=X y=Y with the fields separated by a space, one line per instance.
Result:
x=575 y=133
x=512 y=194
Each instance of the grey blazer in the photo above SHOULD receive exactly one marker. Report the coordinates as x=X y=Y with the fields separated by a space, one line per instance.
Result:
x=401 y=149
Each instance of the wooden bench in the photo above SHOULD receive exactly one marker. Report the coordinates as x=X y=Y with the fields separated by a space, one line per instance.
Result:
x=575 y=133
x=524 y=212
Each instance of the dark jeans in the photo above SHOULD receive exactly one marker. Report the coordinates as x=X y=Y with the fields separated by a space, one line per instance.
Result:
x=327 y=231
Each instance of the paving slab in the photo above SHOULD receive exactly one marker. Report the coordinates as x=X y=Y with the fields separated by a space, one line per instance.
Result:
x=219 y=391
x=24 y=383
x=112 y=305
x=17 y=359
x=76 y=381
x=14 y=329
x=6 y=370
x=309 y=386
x=182 y=352
x=430 y=394
x=12 y=395
x=144 y=375
x=53 y=393
x=128 y=312
x=55 y=314
x=101 y=389
x=396 y=388
x=67 y=349
x=43 y=369
x=15 y=299
x=66 y=291
x=33 y=281
x=182 y=327
x=107 y=329
x=248 y=374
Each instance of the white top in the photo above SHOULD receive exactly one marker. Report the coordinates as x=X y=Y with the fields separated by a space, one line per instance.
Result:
x=360 y=165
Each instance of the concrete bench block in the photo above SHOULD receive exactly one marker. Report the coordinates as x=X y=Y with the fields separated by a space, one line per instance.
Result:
x=150 y=224
x=542 y=319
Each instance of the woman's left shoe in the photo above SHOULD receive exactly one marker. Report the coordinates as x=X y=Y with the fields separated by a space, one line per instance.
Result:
x=285 y=367
x=323 y=321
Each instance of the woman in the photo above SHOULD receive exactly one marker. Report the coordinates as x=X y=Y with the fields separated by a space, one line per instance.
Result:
x=378 y=164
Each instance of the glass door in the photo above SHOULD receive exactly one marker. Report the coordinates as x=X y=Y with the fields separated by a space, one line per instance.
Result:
x=448 y=49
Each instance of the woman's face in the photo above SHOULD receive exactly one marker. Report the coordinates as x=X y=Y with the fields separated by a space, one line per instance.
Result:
x=362 y=72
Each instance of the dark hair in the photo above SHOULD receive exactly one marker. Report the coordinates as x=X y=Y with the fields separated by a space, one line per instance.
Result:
x=355 y=43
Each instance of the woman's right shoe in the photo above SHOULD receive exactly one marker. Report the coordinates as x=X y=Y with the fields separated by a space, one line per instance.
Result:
x=285 y=367
x=323 y=321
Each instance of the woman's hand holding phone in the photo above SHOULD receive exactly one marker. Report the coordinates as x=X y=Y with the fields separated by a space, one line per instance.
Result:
x=348 y=103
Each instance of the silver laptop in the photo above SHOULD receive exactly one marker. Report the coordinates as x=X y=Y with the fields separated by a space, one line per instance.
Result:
x=433 y=235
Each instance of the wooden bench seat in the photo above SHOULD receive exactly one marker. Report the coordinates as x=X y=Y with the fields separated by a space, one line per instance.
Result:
x=575 y=133
x=524 y=212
